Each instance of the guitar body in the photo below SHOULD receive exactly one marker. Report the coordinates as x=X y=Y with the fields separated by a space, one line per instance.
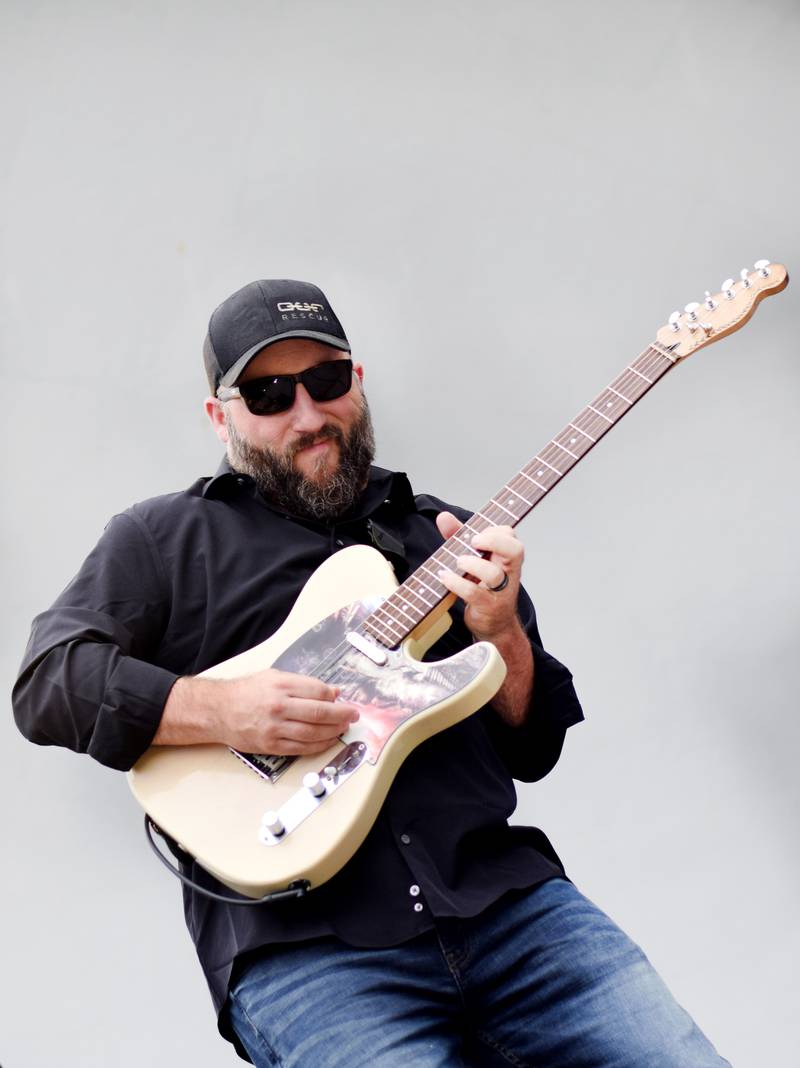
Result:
x=213 y=800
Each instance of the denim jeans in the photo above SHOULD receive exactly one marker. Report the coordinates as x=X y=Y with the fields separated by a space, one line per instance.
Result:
x=542 y=979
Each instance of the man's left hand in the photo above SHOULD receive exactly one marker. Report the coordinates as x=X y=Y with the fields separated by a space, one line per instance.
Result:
x=489 y=613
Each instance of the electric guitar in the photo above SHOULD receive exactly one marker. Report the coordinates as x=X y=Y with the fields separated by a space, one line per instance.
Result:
x=262 y=823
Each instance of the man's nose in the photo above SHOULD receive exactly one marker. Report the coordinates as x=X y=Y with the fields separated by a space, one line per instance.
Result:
x=306 y=413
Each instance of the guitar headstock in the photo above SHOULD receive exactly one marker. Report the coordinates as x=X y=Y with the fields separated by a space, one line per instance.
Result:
x=703 y=322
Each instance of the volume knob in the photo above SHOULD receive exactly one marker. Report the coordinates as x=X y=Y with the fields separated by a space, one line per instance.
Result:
x=272 y=822
x=314 y=784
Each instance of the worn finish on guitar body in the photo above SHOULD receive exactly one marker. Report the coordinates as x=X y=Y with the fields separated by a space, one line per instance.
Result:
x=212 y=803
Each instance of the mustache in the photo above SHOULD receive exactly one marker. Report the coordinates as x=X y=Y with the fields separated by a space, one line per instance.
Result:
x=325 y=433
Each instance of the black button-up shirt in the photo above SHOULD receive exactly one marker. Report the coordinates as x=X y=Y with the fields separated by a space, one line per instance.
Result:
x=181 y=582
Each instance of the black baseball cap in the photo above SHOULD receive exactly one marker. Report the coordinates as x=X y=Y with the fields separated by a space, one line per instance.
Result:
x=261 y=313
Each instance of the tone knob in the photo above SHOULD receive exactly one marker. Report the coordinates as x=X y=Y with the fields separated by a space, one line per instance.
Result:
x=691 y=310
x=314 y=784
x=727 y=288
x=745 y=280
x=762 y=266
x=272 y=822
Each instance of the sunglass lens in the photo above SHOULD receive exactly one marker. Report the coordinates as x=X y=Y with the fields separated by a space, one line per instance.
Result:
x=268 y=396
x=327 y=381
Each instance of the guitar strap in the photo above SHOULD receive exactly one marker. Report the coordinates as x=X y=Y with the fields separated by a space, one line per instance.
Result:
x=392 y=547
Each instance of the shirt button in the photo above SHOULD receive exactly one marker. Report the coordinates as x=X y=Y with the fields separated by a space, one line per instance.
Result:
x=405 y=839
x=418 y=907
x=414 y=890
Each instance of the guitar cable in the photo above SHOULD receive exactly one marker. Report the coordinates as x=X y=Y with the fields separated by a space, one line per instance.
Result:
x=299 y=888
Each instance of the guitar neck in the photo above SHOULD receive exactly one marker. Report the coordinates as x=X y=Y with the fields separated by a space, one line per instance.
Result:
x=422 y=591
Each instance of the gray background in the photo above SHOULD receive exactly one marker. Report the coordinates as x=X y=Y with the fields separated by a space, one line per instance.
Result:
x=504 y=202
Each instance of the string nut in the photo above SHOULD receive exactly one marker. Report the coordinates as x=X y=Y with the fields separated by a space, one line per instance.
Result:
x=691 y=311
x=727 y=288
x=745 y=280
x=674 y=321
x=762 y=266
x=709 y=302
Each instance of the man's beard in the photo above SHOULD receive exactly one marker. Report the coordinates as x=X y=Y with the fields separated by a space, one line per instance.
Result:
x=291 y=491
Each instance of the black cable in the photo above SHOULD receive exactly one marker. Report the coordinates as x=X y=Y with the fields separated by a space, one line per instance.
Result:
x=297 y=889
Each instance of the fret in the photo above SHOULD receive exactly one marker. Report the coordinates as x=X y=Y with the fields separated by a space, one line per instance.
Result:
x=528 y=502
x=489 y=520
x=533 y=480
x=599 y=413
x=444 y=551
x=396 y=601
x=413 y=597
x=427 y=570
x=464 y=544
x=620 y=395
x=639 y=373
x=589 y=436
x=565 y=449
x=394 y=624
x=499 y=505
x=374 y=627
x=546 y=464
x=416 y=578
x=570 y=439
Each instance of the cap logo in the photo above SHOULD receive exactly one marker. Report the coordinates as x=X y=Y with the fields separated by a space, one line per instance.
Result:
x=291 y=306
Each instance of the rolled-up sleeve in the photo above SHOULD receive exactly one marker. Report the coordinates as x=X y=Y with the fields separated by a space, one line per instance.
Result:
x=87 y=680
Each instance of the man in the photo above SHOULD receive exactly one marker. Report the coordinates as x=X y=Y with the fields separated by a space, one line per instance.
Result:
x=449 y=938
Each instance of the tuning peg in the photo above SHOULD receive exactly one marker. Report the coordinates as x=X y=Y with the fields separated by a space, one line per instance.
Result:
x=745 y=280
x=691 y=311
x=762 y=266
x=727 y=288
x=709 y=302
x=674 y=321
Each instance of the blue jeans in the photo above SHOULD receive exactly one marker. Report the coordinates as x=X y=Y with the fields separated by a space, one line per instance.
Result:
x=542 y=979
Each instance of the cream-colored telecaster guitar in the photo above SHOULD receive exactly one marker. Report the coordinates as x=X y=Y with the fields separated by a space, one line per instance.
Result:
x=260 y=823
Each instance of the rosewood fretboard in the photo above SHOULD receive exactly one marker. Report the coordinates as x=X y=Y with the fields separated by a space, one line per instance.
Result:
x=422 y=591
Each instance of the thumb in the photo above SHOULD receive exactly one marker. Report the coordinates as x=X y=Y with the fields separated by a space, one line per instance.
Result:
x=447 y=524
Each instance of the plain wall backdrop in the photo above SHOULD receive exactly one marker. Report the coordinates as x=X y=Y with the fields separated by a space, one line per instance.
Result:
x=503 y=202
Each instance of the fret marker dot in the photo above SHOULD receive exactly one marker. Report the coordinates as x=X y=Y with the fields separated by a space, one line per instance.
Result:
x=608 y=404
x=572 y=441
x=540 y=472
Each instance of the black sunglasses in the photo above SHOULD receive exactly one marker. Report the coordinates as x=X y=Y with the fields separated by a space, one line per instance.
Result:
x=269 y=396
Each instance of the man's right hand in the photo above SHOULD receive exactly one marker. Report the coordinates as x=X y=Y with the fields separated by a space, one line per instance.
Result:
x=268 y=712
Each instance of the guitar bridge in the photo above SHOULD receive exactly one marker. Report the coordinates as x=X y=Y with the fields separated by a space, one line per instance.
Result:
x=265 y=765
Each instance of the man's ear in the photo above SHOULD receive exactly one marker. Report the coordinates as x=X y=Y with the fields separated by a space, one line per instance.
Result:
x=216 y=414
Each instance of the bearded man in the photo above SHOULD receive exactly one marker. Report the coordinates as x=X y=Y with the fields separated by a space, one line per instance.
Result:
x=449 y=938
